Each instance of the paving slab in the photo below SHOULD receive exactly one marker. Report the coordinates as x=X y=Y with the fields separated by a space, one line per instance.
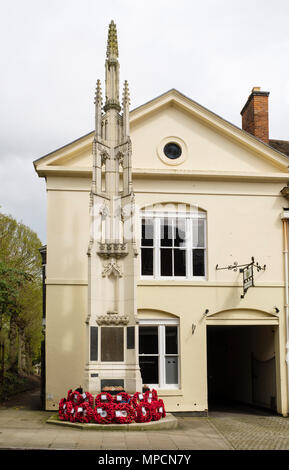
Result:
x=252 y=431
x=23 y=427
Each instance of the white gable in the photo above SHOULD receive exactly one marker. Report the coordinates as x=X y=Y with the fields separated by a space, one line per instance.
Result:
x=210 y=145
x=205 y=147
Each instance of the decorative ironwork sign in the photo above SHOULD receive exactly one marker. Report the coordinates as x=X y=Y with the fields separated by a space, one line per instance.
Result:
x=248 y=272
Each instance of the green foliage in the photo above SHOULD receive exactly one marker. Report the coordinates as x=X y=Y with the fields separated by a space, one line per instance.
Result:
x=11 y=281
x=20 y=299
x=14 y=383
x=19 y=246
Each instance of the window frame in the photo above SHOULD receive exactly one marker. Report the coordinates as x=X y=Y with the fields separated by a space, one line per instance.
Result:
x=161 y=324
x=188 y=216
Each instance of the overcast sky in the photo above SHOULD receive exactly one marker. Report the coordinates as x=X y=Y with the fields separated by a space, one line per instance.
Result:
x=53 y=51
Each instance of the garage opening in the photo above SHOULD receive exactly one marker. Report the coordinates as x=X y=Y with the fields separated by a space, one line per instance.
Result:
x=241 y=366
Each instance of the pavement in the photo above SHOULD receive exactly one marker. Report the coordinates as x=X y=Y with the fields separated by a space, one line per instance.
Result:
x=23 y=426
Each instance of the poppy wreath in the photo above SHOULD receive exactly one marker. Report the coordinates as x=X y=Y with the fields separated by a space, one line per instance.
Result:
x=137 y=399
x=151 y=395
x=122 y=397
x=143 y=413
x=69 y=395
x=124 y=413
x=103 y=398
x=157 y=410
x=162 y=408
x=76 y=398
x=87 y=398
x=62 y=409
x=84 y=413
x=69 y=412
x=104 y=413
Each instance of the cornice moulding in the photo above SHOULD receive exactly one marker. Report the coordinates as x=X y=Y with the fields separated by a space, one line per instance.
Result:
x=51 y=170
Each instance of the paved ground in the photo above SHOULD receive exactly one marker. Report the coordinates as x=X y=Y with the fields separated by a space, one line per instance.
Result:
x=251 y=429
x=23 y=426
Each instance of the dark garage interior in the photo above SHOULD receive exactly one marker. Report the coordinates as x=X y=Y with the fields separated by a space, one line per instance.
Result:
x=241 y=366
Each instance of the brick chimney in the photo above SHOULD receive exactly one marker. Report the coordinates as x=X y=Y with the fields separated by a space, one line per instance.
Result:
x=255 y=115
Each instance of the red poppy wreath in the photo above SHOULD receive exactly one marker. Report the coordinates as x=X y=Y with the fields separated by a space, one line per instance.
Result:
x=143 y=413
x=122 y=397
x=137 y=399
x=102 y=398
x=84 y=413
x=104 y=413
x=124 y=413
x=157 y=410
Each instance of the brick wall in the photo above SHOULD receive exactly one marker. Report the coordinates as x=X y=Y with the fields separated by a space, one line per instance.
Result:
x=255 y=115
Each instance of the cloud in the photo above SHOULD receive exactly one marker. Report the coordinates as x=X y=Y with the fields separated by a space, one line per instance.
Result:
x=53 y=51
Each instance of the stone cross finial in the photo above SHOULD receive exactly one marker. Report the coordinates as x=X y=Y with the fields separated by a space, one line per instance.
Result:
x=112 y=46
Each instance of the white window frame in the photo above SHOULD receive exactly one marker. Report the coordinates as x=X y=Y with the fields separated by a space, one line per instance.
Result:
x=156 y=216
x=161 y=324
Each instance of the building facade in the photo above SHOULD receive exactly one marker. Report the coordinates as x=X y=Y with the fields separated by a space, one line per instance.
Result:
x=167 y=260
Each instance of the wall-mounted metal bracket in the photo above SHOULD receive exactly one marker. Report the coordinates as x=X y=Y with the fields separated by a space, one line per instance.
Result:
x=248 y=272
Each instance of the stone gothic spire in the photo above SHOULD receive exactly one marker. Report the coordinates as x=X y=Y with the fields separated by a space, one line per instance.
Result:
x=98 y=106
x=112 y=252
x=125 y=107
x=112 y=46
x=112 y=71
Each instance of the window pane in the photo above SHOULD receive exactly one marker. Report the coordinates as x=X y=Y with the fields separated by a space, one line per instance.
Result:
x=179 y=262
x=171 y=370
x=93 y=343
x=130 y=337
x=149 y=367
x=147 y=261
x=198 y=262
x=180 y=232
x=148 y=340
x=166 y=262
x=166 y=232
x=198 y=233
x=147 y=234
x=171 y=340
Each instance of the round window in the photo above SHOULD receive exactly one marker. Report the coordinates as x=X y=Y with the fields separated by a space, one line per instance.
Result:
x=172 y=150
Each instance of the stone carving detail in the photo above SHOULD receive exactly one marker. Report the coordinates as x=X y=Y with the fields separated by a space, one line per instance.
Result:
x=111 y=268
x=120 y=158
x=112 y=319
x=104 y=210
x=126 y=212
x=115 y=250
x=104 y=157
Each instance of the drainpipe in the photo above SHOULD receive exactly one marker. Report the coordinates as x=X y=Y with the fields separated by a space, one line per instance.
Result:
x=43 y=253
x=285 y=218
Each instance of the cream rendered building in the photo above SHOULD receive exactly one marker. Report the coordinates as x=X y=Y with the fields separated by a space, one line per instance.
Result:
x=155 y=307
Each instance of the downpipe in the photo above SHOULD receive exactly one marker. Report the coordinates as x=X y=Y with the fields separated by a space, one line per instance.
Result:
x=285 y=218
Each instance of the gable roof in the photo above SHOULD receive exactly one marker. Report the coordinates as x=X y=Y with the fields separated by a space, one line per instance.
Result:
x=173 y=97
x=280 y=145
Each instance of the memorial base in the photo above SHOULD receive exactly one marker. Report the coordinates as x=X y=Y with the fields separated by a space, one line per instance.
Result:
x=169 y=422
